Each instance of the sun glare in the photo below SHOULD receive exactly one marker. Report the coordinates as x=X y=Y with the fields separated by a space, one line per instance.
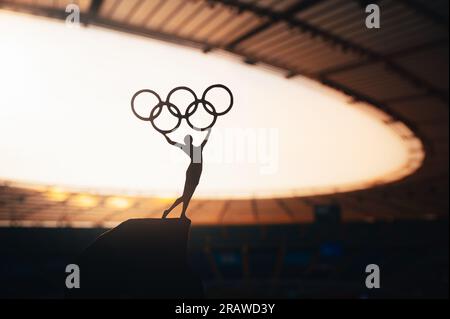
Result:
x=66 y=121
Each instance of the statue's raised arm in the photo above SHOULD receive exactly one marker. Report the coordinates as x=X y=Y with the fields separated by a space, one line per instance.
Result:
x=173 y=142
x=206 y=137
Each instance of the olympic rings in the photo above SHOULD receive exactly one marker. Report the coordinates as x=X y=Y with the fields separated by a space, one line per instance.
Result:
x=190 y=110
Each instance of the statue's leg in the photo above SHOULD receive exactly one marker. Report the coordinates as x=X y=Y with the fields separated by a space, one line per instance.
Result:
x=175 y=204
x=189 y=188
x=187 y=195
x=185 y=205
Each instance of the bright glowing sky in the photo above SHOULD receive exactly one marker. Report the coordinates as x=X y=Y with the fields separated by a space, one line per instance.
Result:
x=65 y=118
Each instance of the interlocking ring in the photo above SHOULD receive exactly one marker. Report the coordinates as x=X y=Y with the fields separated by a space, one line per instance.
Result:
x=184 y=88
x=194 y=106
x=158 y=109
x=134 y=98
x=221 y=86
x=175 y=111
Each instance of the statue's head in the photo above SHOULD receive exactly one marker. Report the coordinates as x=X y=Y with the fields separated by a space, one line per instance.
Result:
x=188 y=140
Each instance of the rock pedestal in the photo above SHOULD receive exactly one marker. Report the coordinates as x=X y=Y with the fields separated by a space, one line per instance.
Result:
x=140 y=258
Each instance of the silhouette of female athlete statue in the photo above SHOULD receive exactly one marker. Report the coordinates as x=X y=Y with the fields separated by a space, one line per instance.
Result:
x=193 y=172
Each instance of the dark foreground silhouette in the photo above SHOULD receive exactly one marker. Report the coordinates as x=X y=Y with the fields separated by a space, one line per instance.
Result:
x=140 y=258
